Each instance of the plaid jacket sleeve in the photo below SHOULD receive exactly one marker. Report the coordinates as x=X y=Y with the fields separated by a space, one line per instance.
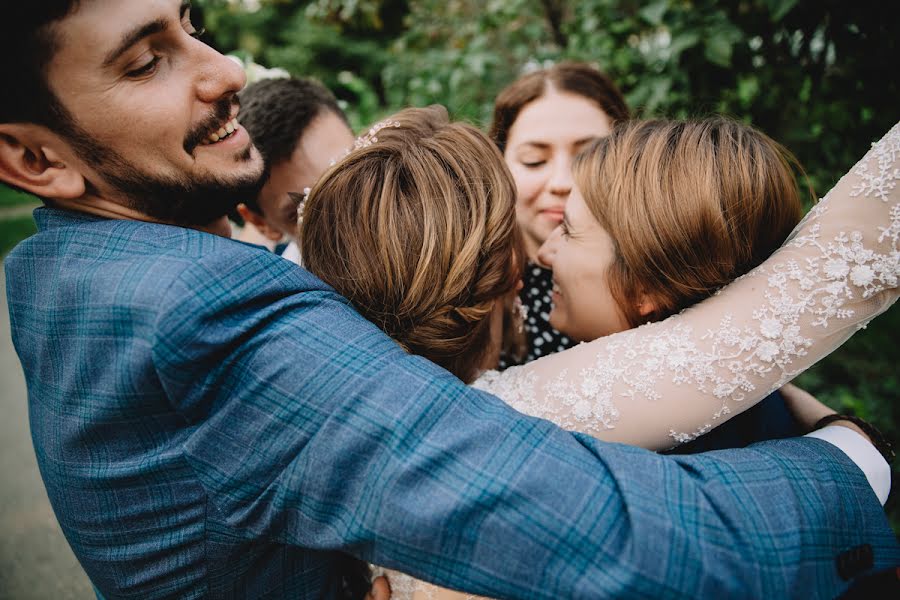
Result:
x=312 y=429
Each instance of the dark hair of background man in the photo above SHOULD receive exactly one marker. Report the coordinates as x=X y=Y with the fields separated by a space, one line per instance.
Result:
x=276 y=112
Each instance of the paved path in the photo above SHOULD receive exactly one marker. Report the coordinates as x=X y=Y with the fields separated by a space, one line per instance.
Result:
x=35 y=560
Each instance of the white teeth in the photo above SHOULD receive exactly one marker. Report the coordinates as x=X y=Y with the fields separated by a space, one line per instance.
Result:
x=223 y=132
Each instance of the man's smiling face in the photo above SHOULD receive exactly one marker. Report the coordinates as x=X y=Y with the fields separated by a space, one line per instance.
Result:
x=149 y=104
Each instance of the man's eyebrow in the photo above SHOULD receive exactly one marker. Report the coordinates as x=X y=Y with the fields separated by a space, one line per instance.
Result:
x=140 y=32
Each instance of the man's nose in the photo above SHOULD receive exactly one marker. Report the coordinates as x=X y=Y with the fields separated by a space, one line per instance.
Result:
x=219 y=75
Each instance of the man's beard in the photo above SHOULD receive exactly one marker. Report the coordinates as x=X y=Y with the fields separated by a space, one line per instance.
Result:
x=181 y=201
x=177 y=200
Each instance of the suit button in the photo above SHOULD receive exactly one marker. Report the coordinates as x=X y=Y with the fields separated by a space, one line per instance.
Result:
x=854 y=561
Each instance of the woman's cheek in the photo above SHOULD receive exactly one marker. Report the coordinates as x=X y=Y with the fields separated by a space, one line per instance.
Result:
x=528 y=185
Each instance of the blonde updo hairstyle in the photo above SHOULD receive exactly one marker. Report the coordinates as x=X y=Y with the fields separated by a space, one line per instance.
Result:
x=690 y=206
x=418 y=231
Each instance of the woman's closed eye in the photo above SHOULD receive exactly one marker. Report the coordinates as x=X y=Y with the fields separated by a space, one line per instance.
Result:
x=533 y=164
x=532 y=156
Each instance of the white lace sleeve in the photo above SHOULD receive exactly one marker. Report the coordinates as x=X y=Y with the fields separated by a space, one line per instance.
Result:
x=667 y=383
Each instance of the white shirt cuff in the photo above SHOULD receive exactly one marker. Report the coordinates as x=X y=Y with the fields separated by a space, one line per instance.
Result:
x=292 y=253
x=863 y=453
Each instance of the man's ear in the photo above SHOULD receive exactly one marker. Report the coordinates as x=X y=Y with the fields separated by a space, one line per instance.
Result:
x=257 y=220
x=35 y=160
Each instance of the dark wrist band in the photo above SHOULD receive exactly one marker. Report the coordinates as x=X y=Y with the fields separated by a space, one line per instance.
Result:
x=880 y=442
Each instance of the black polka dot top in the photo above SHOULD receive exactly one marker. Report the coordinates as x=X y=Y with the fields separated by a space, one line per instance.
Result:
x=542 y=338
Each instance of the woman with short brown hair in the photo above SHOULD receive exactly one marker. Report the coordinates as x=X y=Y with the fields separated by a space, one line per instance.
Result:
x=690 y=206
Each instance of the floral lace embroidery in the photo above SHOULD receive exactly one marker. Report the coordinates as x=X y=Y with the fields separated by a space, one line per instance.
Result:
x=879 y=182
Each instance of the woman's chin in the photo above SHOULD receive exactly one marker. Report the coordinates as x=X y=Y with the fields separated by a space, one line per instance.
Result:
x=558 y=323
x=577 y=332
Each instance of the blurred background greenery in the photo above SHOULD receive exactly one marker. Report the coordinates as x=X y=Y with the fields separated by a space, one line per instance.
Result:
x=819 y=77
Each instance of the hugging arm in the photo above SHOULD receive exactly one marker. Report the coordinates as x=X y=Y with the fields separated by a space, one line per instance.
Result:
x=312 y=429
x=669 y=382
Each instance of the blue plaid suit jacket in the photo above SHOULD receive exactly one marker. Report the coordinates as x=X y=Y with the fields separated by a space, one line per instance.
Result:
x=212 y=421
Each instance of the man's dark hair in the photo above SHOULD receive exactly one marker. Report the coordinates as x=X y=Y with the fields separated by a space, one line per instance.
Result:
x=27 y=45
x=276 y=112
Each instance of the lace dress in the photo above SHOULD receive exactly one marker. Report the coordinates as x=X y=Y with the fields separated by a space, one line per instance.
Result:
x=669 y=382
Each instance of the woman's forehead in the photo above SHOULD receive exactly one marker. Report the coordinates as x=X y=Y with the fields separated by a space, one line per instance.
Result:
x=559 y=118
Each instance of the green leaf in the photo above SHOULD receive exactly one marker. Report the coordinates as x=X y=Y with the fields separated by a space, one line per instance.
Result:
x=682 y=41
x=653 y=13
x=718 y=50
x=748 y=89
x=779 y=8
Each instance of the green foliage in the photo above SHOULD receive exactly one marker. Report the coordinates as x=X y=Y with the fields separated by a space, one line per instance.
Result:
x=14 y=230
x=811 y=75
x=10 y=197
x=16 y=223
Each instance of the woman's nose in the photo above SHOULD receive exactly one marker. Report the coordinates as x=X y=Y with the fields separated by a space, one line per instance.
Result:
x=547 y=252
x=560 y=182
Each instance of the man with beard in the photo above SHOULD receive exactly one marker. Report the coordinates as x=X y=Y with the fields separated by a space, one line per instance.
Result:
x=212 y=421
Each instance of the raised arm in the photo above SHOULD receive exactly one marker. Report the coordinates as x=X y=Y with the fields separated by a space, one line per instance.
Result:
x=312 y=429
x=669 y=382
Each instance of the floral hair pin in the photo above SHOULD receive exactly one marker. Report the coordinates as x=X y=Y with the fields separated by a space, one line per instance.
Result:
x=363 y=141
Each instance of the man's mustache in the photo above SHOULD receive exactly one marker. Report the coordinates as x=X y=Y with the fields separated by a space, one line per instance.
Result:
x=221 y=112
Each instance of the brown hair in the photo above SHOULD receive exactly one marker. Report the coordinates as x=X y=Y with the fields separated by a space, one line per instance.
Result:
x=418 y=231
x=572 y=77
x=690 y=206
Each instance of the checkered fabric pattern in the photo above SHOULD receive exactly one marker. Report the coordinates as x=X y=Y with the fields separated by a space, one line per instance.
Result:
x=212 y=421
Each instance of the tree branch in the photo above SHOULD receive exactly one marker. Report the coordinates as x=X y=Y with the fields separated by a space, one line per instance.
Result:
x=553 y=10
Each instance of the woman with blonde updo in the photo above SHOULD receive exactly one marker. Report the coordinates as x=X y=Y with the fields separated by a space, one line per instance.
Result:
x=423 y=240
x=416 y=228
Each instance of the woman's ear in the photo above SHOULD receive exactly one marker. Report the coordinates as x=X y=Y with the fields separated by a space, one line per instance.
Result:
x=34 y=159
x=646 y=305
